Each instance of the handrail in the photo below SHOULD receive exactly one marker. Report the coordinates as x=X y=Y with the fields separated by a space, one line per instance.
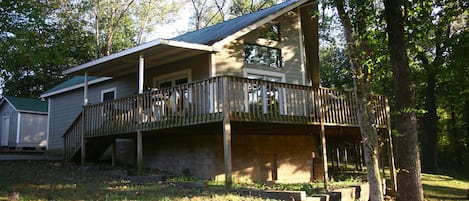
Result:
x=250 y=100
x=72 y=138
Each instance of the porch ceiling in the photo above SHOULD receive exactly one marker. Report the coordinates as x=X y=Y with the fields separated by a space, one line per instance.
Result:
x=155 y=54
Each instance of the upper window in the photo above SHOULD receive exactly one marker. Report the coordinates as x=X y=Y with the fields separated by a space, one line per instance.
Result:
x=108 y=94
x=172 y=79
x=262 y=55
x=271 y=33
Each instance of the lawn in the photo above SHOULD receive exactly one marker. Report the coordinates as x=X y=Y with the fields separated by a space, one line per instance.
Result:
x=32 y=180
x=55 y=181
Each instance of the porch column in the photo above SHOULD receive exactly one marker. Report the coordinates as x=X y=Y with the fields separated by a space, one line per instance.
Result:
x=227 y=135
x=85 y=89
x=83 y=128
x=141 y=67
x=320 y=99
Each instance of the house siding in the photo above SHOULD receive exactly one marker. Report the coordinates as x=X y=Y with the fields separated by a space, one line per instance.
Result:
x=199 y=66
x=32 y=130
x=230 y=61
x=7 y=110
x=65 y=107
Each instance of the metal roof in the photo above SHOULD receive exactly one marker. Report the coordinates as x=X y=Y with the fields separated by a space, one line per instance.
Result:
x=73 y=83
x=26 y=104
x=198 y=42
x=217 y=32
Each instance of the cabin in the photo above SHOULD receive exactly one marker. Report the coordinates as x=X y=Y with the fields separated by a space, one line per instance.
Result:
x=23 y=123
x=238 y=101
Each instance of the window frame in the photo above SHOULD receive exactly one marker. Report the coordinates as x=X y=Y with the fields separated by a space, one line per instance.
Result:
x=108 y=90
x=279 y=60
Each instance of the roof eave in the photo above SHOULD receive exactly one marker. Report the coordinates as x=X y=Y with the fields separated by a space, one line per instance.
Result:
x=77 y=86
x=32 y=112
x=137 y=49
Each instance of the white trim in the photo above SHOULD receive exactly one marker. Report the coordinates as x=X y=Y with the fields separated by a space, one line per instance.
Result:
x=18 y=126
x=246 y=71
x=7 y=131
x=49 y=101
x=242 y=32
x=302 y=48
x=113 y=89
x=136 y=49
x=212 y=71
x=85 y=89
x=77 y=86
x=173 y=76
x=141 y=70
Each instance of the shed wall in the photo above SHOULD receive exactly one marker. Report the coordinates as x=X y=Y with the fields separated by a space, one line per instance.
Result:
x=32 y=130
x=7 y=110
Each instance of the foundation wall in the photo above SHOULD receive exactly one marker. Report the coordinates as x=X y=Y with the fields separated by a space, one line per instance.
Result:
x=276 y=158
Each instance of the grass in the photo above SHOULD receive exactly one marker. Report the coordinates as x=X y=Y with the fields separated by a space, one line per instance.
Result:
x=33 y=180
x=441 y=187
x=55 y=181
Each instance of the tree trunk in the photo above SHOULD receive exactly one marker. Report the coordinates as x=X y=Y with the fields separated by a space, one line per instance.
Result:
x=429 y=121
x=365 y=115
x=407 y=155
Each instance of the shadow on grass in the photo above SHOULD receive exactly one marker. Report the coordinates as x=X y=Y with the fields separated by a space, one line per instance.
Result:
x=444 y=193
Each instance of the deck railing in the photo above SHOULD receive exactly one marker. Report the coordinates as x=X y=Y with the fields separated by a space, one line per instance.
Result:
x=73 y=137
x=203 y=102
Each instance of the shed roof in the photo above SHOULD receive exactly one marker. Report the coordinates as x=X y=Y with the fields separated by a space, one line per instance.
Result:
x=26 y=104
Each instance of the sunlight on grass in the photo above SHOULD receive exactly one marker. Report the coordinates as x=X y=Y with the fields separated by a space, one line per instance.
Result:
x=441 y=187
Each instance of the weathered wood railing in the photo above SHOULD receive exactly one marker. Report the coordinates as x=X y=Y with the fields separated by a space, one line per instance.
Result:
x=203 y=102
x=73 y=137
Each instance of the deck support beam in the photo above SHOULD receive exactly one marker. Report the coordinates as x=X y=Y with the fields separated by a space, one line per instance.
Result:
x=141 y=77
x=227 y=135
x=114 y=154
x=139 y=153
x=324 y=157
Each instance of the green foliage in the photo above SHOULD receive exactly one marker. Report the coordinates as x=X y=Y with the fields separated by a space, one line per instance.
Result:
x=243 y=7
x=36 y=46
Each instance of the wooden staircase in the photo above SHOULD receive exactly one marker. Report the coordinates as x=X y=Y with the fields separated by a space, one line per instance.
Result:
x=73 y=139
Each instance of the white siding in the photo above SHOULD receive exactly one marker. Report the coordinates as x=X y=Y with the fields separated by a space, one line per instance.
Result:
x=32 y=130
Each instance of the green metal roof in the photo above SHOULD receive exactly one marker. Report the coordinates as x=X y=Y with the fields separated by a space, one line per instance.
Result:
x=27 y=104
x=217 y=32
x=71 y=82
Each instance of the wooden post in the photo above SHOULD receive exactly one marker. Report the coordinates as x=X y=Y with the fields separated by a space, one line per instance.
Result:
x=83 y=120
x=323 y=140
x=141 y=77
x=392 y=168
x=113 y=158
x=345 y=157
x=227 y=135
x=139 y=153
x=83 y=139
x=85 y=89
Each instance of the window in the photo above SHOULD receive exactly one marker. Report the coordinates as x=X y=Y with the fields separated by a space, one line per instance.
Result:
x=271 y=33
x=262 y=55
x=108 y=94
x=172 y=79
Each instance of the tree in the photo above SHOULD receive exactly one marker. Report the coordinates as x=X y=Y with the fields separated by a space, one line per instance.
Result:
x=407 y=156
x=243 y=7
x=36 y=46
x=358 y=48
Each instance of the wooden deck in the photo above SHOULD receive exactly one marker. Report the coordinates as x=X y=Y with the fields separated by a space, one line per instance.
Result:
x=212 y=100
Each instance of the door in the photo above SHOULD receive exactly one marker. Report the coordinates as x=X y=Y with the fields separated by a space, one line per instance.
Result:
x=5 y=130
